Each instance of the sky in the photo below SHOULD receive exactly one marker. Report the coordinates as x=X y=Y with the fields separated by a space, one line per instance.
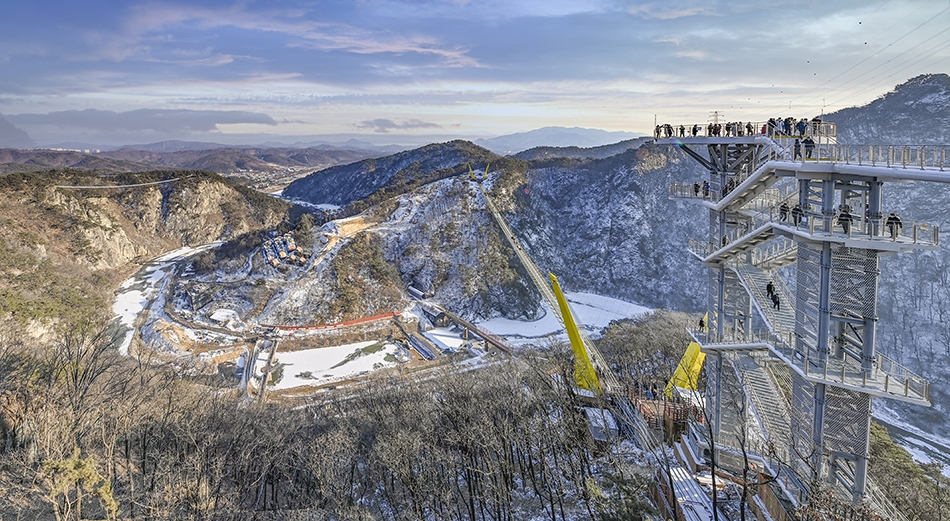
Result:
x=393 y=71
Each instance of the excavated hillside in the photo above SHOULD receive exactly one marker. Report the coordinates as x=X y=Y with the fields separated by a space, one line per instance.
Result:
x=602 y=225
x=64 y=249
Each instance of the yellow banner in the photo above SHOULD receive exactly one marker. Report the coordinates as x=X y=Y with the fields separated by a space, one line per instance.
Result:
x=687 y=372
x=584 y=375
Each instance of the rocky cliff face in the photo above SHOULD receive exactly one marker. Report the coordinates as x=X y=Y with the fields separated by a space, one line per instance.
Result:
x=601 y=225
x=63 y=250
x=916 y=112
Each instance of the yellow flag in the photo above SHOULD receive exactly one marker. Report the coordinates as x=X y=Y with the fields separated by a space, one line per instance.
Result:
x=687 y=372
x=584 y=375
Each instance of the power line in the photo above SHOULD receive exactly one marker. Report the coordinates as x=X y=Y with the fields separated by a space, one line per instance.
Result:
x=855 y=28
x=852 y=80
x=865 y=60
x=903 y=66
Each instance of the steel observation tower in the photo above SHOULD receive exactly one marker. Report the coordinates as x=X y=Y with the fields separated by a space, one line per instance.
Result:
x=795 y=233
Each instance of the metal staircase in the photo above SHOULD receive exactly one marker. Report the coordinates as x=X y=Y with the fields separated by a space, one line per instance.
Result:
x=771 y=408
x=781 y=321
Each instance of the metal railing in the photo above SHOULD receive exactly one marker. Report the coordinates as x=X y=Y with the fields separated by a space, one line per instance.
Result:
x=906 y=380
x=898 y=379
x=820 y=225
x=813 y=129
x=772 y=251
x=861 y=227
x=922 y=157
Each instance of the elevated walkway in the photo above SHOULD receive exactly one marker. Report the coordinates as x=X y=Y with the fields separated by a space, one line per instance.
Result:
x=887 y=164
x=915 y=237
x=887 y=378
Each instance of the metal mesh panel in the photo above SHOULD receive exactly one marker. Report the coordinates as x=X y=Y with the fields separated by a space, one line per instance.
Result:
x=736 y=295
x=806 y=297
x=712 y=297
x=803 y=413
x=853 y=282
x=713 y=384
x=846 y=421
x=735 y=409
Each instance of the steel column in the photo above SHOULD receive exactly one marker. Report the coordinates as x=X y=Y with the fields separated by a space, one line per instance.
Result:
x=818 y=430
x=861 y=463
x=874 y=207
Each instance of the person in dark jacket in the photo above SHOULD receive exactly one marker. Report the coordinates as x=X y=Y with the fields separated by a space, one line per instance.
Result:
x=894 y=225
x=797 y=214
x=775 y=301
x=845 y=219
x=783 y=212
x=797 y=147
x=770 y=289
x=809 y=147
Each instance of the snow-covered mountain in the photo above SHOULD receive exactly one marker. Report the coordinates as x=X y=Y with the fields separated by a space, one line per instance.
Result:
x=602 y=225
x=916 y=112
x=606 y=226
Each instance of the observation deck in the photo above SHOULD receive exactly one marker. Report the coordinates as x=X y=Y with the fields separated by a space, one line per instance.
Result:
x=799 y=200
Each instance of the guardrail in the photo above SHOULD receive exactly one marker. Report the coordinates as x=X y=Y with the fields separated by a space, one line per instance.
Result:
x=925 y=157
x=905 y=378
x=861 y=226
x=814 y=129
x=819 y=225
x=897 y=379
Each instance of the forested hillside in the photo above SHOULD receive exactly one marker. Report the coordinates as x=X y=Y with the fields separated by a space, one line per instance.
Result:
x=64 y=249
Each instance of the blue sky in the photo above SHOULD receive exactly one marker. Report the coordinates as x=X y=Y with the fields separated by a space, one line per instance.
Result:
x=401 y=72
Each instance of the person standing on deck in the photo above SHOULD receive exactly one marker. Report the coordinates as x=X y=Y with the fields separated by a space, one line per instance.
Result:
x=894 y=225
x=797 y=214
x=845 y=219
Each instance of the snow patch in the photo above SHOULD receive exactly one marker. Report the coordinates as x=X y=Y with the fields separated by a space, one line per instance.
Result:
x=137 y=291
x=594 y=312
x=445 y=338
x=330 y=364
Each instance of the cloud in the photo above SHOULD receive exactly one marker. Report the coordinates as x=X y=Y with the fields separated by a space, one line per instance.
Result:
x=667 y=12
x=292 y=27
x=385 y=125
x=155 y=120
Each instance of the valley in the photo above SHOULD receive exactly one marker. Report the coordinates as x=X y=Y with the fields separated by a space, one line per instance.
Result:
x=238 y=316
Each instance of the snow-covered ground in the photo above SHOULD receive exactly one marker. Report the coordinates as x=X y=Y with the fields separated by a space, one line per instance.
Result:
x=593 y=311
x=445 y=338
x=330 y=364
x=923 y=446
x=137 y=291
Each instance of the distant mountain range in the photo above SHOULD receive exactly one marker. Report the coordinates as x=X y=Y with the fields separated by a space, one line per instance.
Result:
x=553 y=137
x=14 y=137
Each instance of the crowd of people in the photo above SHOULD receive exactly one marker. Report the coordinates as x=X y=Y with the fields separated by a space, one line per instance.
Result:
x=787 y=127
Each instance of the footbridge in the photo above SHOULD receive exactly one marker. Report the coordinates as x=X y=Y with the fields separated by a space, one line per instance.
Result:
x=793 y=232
